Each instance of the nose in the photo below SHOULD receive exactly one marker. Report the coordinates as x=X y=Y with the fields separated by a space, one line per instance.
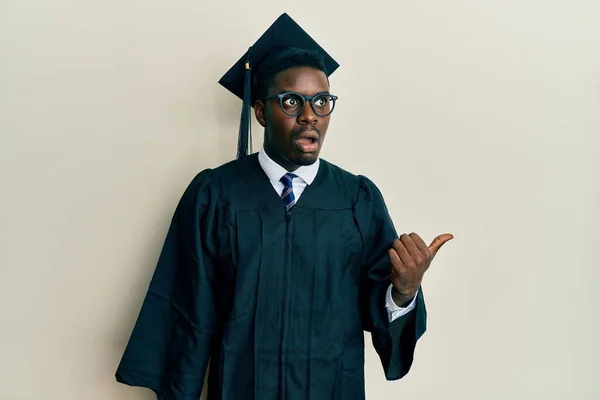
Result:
x=307 y=116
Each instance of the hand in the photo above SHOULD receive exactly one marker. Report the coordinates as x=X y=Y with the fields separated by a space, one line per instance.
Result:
x=410 y=258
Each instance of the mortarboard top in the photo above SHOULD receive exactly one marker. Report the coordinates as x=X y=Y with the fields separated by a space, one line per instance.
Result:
x=283 y=33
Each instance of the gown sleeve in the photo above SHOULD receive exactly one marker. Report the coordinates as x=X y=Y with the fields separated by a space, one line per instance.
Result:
x=394 y=342
x=169 y=347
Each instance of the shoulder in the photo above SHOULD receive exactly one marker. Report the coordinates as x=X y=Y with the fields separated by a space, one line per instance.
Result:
x=226 y=183
x=198 y=190
x=225 y=174
x=340 y=173
x=365 y=188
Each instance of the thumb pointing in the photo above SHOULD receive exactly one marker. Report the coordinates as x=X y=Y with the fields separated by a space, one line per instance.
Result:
x=438 y=242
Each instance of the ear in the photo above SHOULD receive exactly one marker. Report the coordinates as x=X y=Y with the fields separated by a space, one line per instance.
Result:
x=259 y=112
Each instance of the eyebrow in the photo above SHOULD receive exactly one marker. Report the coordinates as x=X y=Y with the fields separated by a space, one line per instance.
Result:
x=295 y=91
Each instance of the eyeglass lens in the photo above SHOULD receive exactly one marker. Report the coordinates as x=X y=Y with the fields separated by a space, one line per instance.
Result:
x=292 y=104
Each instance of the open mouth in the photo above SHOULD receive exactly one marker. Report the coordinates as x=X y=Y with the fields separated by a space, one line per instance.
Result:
x=307 y=144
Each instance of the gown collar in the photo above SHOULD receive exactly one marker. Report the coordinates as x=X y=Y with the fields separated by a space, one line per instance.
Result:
x=274 y=171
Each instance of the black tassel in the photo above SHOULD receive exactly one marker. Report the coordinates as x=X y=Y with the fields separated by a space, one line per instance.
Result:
x=244 y=136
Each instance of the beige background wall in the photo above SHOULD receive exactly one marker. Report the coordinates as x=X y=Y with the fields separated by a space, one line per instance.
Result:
x=480 y=118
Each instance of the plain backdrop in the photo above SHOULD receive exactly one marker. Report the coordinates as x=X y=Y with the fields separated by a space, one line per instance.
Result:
x=479 y=118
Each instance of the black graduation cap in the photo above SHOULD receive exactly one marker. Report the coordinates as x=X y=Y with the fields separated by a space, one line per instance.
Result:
x=283 y=33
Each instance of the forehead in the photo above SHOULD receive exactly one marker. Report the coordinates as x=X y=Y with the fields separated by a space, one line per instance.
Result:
x=304 y=80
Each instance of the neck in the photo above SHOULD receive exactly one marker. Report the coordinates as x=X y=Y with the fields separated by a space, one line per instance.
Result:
x=286 y=164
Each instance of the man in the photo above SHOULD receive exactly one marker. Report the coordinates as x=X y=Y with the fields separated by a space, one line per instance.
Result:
x=276 y=262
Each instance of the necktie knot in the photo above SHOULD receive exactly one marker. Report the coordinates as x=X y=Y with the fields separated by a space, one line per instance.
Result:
x=288 y=191
x=287 y=179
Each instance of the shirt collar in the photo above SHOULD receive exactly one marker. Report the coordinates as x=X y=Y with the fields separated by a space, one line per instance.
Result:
x=274 y=171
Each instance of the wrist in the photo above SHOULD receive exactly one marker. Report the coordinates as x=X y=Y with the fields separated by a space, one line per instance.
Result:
x=402 y=299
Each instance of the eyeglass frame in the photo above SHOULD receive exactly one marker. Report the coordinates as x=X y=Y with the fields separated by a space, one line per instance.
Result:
x=305 y=99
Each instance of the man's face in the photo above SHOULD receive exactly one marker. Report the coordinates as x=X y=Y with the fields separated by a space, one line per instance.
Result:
x=294 y=141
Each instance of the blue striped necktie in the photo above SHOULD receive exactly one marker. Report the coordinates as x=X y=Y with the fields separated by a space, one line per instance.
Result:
x=288 y=193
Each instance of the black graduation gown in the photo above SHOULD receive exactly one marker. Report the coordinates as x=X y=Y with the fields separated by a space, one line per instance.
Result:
x=278 y=301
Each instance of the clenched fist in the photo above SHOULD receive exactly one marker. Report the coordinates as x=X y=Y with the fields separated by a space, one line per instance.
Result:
x=410 y=258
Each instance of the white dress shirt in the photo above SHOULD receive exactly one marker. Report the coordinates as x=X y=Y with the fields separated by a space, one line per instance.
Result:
x=306 y=175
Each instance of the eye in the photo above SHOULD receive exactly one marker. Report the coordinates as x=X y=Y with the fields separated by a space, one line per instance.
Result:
x=322 y=101
x=290 y=101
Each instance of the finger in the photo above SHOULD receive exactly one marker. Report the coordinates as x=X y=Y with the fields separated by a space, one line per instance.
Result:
x=421 y=245
x=438 y=242
x=395 y=259
x=403 y=253
x=410 y=245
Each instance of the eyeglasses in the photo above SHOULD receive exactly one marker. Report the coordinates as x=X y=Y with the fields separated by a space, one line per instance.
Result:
x=292 y=103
